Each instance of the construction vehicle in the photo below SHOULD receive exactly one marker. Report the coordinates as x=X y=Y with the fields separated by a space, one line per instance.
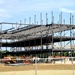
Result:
x=9 y=59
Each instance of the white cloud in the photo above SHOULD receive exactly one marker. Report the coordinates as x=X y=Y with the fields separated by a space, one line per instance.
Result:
x=67 y=10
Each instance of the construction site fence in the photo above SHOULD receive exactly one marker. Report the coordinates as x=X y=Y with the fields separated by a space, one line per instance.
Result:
x=57 y=66
x=61 y=60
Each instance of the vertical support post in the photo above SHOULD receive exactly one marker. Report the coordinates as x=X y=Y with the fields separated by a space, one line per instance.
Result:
x=70 y=30
x=34 y=31
x=11 y=40
x=20 y=23
x=61 y=32
x=64 y=31
x=35 y=19
x=72 y=20
x=52 y=33
x=16 y=36
x=29 y=30
x=46 y=19
x=73 y=30
x=71 y=33
x=21 y=36
x=73 y=43
x=41 y=32
x=29 y=20
x=47 y=33
x=0 y=40
x=41 y=41
x=24 y=36
x=16 y=25
x=24 y=22
x=6 y=42
x=36 y=65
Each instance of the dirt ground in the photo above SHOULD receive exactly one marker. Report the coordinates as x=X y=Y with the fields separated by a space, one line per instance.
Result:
x=42 y=69
x=40 y=72
x=43 y=66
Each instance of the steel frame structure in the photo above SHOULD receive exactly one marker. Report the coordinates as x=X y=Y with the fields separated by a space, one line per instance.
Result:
x=27 y=37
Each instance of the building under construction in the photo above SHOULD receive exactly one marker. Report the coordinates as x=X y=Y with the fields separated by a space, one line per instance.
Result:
x=38 y=39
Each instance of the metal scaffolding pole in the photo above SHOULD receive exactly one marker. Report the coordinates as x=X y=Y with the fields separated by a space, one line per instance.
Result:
x=61 y=32
x=52 y=34
x=25 y=37
x=46 y=19
x=73 y=30
x=64 y=32
x=0 y=41
x=21 y=36
x=71 y=33
x=29 y=20
x=47 y=33
x=41 y=33
x=35 y=19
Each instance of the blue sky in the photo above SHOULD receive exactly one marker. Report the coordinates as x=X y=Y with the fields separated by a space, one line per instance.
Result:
x=16 y=10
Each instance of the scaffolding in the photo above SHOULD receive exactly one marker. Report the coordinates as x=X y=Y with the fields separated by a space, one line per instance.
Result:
x=38 y=38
